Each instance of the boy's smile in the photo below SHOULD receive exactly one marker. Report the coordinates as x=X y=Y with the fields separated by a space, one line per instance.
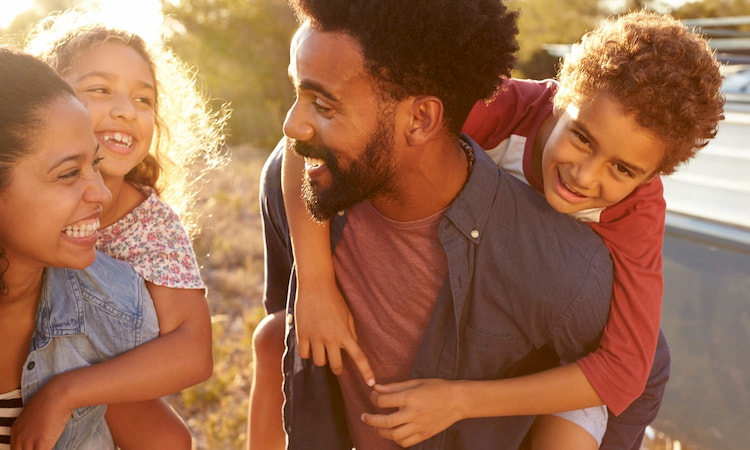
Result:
x=596 y=155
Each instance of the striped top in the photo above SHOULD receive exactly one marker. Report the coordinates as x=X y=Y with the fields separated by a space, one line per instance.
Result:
x=11 y=405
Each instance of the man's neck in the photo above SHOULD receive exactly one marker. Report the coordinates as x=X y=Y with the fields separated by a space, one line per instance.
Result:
x=427 y=182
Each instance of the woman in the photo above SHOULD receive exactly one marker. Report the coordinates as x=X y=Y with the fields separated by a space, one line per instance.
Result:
x=52 y=194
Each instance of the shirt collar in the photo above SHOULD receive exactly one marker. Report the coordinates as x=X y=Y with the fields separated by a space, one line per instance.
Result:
x=470 y=209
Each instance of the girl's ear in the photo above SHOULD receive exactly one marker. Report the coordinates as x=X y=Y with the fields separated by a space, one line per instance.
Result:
x=425 y=119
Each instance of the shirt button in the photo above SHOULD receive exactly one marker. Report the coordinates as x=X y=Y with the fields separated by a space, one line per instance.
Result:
x=289 y=319
x=342 y=212
x=30 y=365
x=474 y=234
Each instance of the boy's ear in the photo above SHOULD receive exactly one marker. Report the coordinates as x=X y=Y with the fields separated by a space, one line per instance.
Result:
x=426 y=119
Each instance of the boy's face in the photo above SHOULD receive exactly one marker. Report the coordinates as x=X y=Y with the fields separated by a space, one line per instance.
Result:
x=596 y=155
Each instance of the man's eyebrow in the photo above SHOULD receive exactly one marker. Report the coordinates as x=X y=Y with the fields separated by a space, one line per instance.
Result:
x=309 y=85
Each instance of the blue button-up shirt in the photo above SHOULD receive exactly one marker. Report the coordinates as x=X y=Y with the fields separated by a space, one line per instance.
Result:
x=527 y=288
x=84 y=317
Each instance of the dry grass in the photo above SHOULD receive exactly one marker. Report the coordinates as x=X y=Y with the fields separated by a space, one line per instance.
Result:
x=230 y=251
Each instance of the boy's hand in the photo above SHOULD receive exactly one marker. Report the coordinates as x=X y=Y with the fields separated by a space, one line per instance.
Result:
x=325 y=326
x=425 y=408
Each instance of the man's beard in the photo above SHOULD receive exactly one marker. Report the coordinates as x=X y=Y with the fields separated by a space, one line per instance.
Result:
x=370 y=175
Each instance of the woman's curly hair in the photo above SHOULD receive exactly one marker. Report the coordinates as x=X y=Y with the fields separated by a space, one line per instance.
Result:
x=664 y=75
x=456 y=50
x=188 y=136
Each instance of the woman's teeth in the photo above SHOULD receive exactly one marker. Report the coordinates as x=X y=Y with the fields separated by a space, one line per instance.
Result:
x=81 y=230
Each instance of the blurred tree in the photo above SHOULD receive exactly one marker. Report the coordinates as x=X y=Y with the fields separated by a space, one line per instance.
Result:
x=15 y=33
x=241 y=49
x=713 y=8
x=542 y=22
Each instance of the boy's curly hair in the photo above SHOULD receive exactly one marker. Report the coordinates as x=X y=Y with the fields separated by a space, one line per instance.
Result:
x=188 y=136
x=664 y=75
x=456 y=50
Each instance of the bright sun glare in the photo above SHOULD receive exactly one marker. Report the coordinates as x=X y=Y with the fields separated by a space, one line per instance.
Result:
x=130 y=13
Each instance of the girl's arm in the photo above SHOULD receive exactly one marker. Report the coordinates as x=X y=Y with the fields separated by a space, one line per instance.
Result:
x=324 y=323
x=180 y=357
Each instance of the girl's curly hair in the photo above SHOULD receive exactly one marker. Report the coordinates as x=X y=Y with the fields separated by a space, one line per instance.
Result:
x=456 y=50
x=188 y=136
x=660 y=72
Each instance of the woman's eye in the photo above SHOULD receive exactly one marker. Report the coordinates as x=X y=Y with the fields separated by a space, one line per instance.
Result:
x=70 y=174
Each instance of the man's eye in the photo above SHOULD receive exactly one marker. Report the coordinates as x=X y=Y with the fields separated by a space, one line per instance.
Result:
x=320 y=108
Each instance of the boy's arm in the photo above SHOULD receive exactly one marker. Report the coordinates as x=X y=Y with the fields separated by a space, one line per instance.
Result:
x=428 y=406
x=324 y=323
x=180 y=357
x=633 y=230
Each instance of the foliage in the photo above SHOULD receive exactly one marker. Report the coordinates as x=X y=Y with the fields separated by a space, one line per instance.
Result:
x=242 y=50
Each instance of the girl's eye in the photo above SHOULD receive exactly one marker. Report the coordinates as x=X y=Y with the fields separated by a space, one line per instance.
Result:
x=97 y=90
x=145 y=100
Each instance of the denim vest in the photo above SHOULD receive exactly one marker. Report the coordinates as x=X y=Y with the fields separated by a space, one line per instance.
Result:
x=85 y=317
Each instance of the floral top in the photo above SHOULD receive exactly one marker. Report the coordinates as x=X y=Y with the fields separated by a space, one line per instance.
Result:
x=151 y=238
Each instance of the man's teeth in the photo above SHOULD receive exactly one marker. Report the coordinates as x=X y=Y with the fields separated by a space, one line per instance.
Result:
x=82 y=230
x=120 y=138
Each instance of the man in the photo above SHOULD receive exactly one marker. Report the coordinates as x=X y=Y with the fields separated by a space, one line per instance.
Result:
x=452 y=270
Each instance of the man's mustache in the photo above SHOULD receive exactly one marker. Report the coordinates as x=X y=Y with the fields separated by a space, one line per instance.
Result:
x=307 y=150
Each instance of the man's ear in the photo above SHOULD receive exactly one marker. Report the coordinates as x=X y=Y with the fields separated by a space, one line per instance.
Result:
x=426 y=119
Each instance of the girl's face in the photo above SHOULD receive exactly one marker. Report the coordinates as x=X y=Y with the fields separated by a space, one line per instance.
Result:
x=116 y=85
x=596 y=155
x=51 y=207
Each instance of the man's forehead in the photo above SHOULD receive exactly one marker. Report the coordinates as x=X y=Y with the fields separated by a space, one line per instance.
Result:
x=323 y=52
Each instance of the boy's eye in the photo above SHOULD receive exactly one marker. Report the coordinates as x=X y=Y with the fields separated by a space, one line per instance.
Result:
x=97 y=162
x=581 y=138
x=623 y=170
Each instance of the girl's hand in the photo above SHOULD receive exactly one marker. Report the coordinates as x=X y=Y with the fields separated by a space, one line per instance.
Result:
x=425 y=408
x=41 y=422
x=325 y=326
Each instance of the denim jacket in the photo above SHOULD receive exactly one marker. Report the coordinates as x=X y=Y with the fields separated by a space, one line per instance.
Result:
x=85 y=317
x=527 y=287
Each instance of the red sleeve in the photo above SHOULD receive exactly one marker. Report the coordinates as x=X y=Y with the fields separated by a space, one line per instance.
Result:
x=518 y=106
x=633 y=230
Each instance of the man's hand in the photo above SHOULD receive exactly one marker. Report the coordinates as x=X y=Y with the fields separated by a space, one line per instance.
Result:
x=425 y=408
x=41 y=422
x=325 y=326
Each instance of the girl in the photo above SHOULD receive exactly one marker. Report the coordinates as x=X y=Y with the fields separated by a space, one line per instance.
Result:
x=156 y=138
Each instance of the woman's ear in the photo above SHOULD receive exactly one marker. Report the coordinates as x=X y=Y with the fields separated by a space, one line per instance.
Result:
x=426 y=119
